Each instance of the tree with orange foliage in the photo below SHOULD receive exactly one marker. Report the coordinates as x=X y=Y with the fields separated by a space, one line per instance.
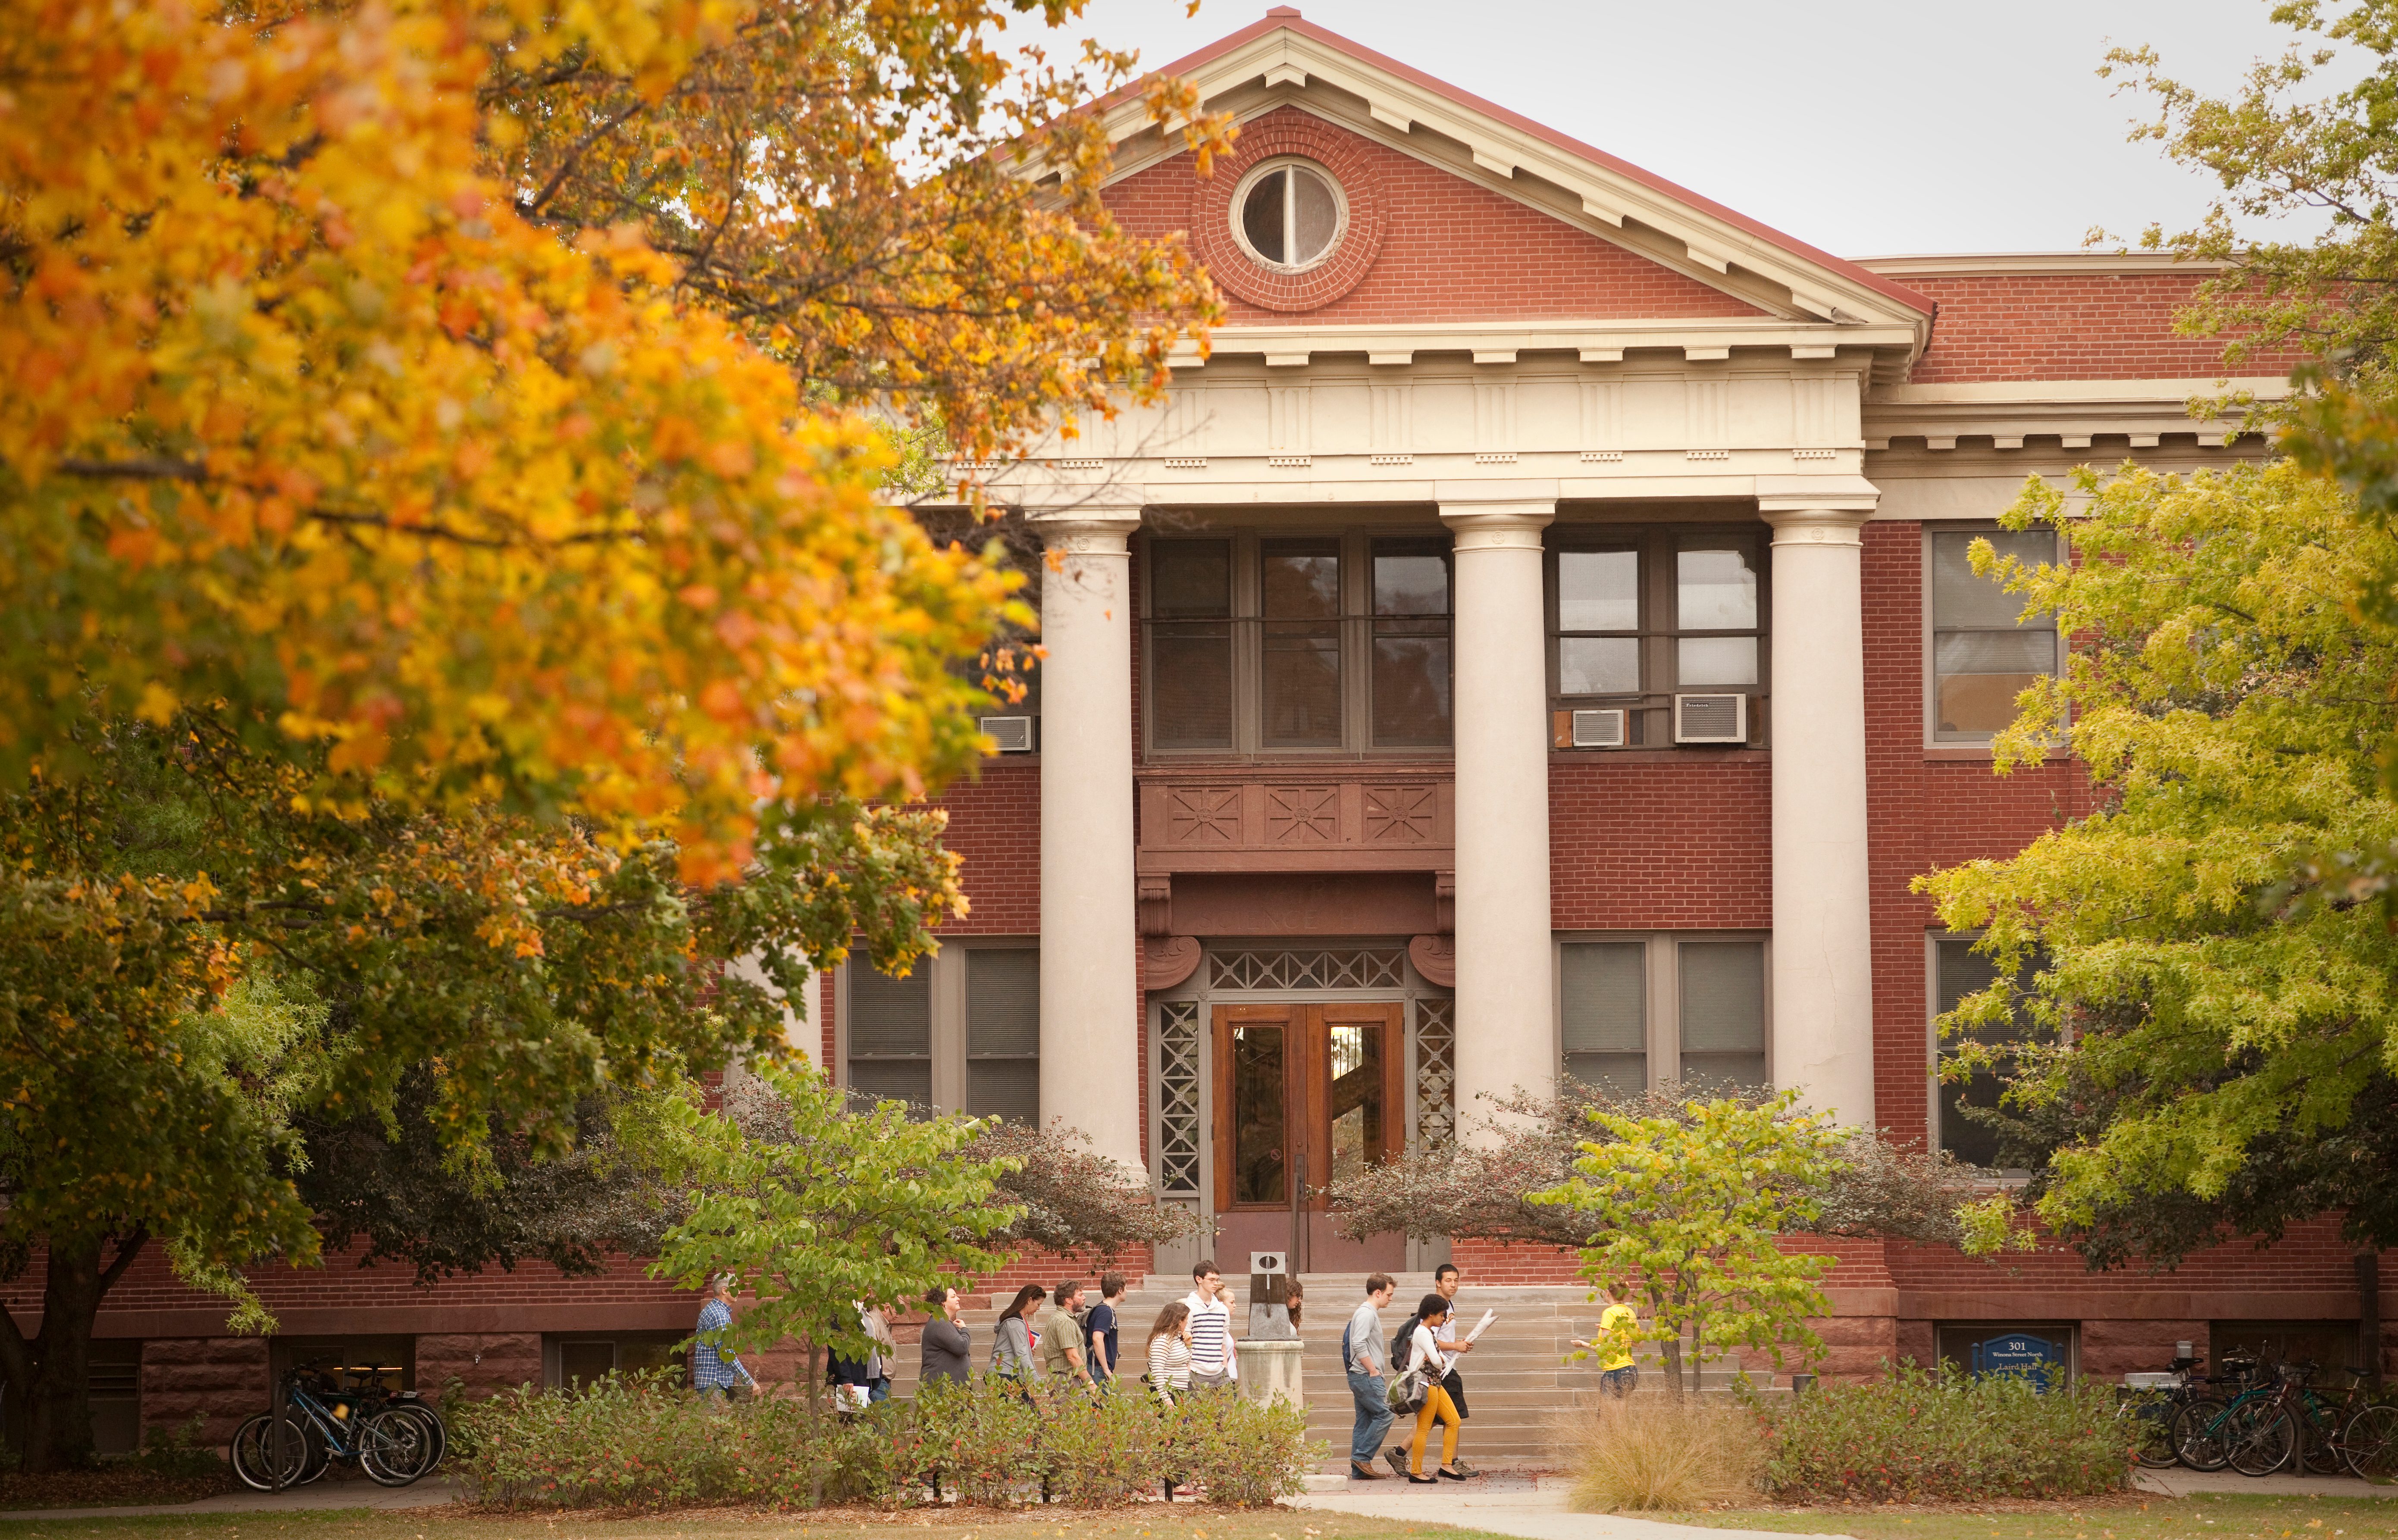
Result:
x=463 y=429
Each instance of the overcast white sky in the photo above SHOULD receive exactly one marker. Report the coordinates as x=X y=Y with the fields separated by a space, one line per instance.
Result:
x=1870 y=127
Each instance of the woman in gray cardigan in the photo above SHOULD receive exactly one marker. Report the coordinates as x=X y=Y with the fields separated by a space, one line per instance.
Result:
x=948 y=1345
x=1011 y=1350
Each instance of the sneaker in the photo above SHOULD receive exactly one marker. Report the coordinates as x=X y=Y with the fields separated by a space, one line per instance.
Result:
x=1462 y=1466
x=1398 y=1459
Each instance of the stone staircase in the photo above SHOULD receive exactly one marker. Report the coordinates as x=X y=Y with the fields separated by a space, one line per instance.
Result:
x=1519 y=1383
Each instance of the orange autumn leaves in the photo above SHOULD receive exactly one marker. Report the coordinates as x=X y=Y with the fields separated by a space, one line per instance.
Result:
x=297 y=413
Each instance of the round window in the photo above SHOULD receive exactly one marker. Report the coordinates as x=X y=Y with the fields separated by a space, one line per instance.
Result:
x=1289 y=216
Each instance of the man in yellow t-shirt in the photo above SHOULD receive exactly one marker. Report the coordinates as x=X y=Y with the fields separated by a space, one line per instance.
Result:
x=1614 y=1343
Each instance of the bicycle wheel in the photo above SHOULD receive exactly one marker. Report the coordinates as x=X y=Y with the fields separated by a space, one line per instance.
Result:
x=2319 y=1442
x=432 y=1427
x=2201 y=1436
x=394 y=1449
x=252 y=1454
x=2263 y=1439
x=2148 y=1429
x=2369 y=1444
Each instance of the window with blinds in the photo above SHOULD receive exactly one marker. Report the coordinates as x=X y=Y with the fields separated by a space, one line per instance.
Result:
x=1003 y=1034
x=1603 y=1014
x=891 y=1036
x=1722 y=988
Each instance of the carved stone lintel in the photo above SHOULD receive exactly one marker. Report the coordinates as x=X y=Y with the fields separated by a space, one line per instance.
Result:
x=1436 y=958
x=1155 y=898
x=1444 y=901
x=1165 y=961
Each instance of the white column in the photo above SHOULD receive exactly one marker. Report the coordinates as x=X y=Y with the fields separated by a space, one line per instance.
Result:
x=1506 y=1035
x=1823 y=916
x=1090 y=981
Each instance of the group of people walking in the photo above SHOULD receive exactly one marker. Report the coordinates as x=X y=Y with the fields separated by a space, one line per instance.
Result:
x=1191 y=1349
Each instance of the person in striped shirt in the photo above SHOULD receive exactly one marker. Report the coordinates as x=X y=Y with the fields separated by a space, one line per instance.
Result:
x=1214 y=1360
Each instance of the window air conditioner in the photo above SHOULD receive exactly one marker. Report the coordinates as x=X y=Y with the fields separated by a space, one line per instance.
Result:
x=1711 y=719
x=1598 y=729
x=1013 y=735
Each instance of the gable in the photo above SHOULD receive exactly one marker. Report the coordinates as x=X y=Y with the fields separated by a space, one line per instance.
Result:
x=1423 y=245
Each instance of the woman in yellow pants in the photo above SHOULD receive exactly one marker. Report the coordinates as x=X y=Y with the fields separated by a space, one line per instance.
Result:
x=1423 y=1351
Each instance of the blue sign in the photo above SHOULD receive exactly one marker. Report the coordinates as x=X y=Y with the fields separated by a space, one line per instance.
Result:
x=2021 y=1353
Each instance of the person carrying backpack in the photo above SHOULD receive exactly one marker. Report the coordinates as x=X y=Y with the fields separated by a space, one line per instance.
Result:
x=1369 y=1368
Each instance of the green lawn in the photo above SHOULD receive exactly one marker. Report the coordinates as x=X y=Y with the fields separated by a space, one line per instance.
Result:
x=1188 y=1523
x=2209 y=1516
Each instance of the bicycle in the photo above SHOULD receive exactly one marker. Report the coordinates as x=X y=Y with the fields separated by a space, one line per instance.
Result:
x=370 y=1392
x=2238 y=1432
x=326 y=1423
x=2149 y=1413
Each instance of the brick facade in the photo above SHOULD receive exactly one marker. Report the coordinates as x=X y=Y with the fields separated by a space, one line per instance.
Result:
x=2069 y=325
x=1449 y=251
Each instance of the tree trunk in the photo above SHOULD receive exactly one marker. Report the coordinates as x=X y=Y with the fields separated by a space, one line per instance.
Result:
x=1698 y=1360
x=49 y=1377
x=1672 y=1349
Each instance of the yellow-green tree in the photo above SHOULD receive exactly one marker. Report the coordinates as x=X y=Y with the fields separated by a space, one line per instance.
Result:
x=1684 y=1214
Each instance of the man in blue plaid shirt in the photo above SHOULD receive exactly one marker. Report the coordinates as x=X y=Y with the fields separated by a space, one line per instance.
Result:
x=713 y=1372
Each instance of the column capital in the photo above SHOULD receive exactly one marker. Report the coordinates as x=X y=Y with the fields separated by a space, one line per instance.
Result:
x=1084 y=529
x=1512 y=525
x=1817 y=526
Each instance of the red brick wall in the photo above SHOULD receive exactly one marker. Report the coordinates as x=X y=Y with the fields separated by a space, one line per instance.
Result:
x=995 y=824
x=1929 y=810
x=2066 y=326
x=1654 y=845
x=1450 y=250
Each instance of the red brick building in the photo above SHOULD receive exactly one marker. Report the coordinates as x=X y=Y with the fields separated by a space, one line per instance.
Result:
x=1536 y=638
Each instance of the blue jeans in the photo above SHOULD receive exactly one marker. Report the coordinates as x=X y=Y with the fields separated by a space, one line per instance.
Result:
x=1373 y=1417
x=1618 y=1383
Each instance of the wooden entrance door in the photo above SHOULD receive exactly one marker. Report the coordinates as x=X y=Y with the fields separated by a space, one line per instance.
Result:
x=1305 y=1095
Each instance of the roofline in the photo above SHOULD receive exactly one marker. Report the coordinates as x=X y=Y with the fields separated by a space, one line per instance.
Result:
x=2041 y=262
x=1286 y=17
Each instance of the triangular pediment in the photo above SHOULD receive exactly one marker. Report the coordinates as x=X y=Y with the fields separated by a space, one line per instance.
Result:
x=1484 y=203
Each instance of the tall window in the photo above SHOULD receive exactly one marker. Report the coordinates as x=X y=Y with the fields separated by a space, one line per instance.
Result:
x=1639 y=614
x=1603 y=1014
x=890 y=1035
x=1268 y=645
x=1723 y=1012
x=1962 y=971
x=960 y=1033
x=1003 y=1034
x=1981 y=656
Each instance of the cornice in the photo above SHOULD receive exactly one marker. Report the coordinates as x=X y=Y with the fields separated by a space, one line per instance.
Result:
x=2088 y=264
x=1594 y=341
x=2076 y=411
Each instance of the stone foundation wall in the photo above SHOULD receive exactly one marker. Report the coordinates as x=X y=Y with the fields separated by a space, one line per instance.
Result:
x=222 y=1380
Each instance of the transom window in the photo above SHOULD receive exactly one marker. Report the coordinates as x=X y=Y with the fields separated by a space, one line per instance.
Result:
x=1981 y=656
x=1639 y=1011
x=1637 y=614
x=1271 y=643
x=1290 y=215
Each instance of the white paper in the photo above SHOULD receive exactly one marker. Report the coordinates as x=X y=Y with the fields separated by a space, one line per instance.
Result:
x=1487 y=1317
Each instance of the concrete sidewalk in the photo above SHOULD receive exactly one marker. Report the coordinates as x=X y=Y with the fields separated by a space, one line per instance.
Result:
x=1531 y=1507
x=2177 y=1482
x=324 y=1496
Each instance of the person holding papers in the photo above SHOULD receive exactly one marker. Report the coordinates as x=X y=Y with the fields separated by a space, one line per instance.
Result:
x=1446 y=1281
x=1425 y=1366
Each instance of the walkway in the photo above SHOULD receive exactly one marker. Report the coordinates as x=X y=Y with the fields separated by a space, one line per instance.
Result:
x=1532 y=1508
x=327 y=1493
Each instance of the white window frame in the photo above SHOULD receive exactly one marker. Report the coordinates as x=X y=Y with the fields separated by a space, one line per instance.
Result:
x=946 y=990
x=1267 y=168
x=1661 y=992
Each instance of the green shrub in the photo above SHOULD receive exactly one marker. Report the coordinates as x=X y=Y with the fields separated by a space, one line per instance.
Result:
x=1941 y=1436
x=644 y=1443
